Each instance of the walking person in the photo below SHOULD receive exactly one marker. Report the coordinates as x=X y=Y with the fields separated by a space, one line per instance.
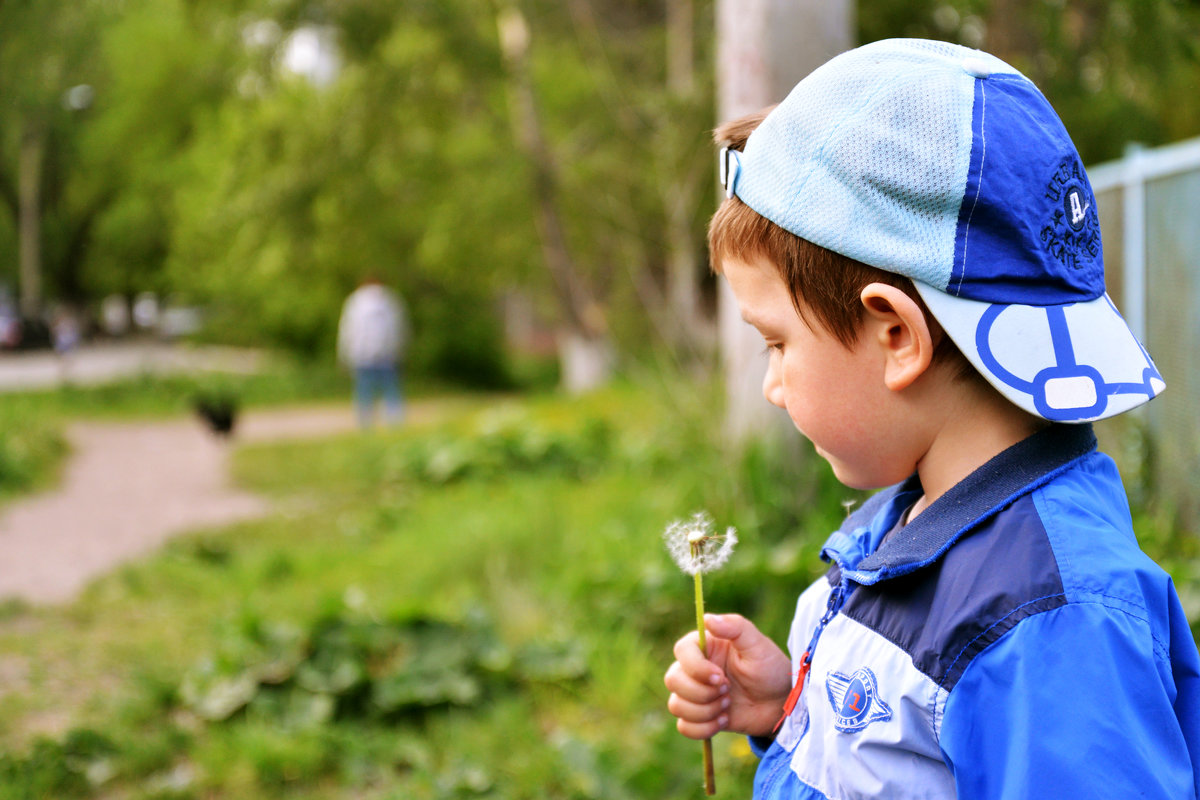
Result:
x=372 y=338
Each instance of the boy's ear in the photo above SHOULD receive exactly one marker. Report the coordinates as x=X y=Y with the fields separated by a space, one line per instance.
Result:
x=896 y=324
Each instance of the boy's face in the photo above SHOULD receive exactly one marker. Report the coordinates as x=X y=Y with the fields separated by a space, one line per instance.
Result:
x=835 y=395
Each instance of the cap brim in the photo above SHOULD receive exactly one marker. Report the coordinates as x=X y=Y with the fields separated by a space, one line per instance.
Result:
x=1075 y=362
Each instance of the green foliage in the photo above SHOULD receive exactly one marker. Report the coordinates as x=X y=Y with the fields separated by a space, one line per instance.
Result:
x=339 y=649
x=456 y=344
x=345 y=667
x=41 y=125
x=501 y=447
x=168 y=67
x=293 y=194
x=112 y=99
x=29 y=454
x=58 y=768
x=205 y=170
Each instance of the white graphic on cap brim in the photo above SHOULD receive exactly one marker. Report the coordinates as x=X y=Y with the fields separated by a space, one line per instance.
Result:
x=1068 y=363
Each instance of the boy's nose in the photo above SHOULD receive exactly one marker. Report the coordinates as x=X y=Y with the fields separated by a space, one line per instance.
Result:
x=772 y=386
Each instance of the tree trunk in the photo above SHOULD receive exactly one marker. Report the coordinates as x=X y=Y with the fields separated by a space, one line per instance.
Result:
x=29 y=219
x=587 y=362
x=679 y=199
x=764 y=47
x=584 y=344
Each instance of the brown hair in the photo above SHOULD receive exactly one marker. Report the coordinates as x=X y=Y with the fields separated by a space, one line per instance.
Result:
x=825 y=285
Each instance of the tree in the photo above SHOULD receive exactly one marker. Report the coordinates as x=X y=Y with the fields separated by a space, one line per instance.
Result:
x=187 y=160
x=763 y=50
x=627 y=122
x=292 y=192
x=426 y=170
x=43 y=88
x=682 y=188
x=92 y=133
x=586 y=351
x=171 y=65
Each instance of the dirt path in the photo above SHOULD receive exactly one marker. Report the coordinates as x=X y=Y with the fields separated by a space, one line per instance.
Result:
x=127 y=488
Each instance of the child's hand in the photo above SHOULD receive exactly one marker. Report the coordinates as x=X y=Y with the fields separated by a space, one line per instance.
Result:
x=740 y=687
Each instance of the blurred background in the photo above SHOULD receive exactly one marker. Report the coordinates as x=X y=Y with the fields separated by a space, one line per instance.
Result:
x=217 y=584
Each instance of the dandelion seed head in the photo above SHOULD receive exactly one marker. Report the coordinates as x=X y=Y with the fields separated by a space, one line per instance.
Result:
x=695 y=547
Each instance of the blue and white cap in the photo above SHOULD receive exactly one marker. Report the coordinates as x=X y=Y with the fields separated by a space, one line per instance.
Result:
x=946 y=165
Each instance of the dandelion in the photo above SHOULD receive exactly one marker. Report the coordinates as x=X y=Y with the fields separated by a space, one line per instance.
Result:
x=694 y=546
x=697 y=550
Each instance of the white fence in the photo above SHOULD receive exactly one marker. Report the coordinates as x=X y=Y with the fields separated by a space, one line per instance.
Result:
x=1149 y=205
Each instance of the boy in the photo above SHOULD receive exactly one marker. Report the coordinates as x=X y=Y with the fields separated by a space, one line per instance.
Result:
x=913 y=234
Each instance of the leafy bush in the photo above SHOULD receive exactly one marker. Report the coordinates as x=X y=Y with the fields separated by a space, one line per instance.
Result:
x=459 y=339
x=500 y=447
x=70 y=767
x=348 y=667
x=28 y=454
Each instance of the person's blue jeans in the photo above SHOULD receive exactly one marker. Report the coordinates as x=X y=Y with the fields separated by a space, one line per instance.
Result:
x=382 y=382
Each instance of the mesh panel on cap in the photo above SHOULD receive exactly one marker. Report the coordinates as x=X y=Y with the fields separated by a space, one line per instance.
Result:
x=868 y=156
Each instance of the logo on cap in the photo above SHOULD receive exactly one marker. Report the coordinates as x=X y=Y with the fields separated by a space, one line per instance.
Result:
x=1072 y=235
x=855 y=700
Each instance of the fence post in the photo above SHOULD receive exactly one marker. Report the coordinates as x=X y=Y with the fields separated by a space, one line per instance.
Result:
x=1134 y=240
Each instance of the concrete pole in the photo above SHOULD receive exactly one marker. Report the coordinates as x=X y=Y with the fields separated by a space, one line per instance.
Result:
x=764 y=47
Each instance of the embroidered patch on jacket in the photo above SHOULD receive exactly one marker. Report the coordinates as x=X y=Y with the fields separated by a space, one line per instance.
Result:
x=855 y=700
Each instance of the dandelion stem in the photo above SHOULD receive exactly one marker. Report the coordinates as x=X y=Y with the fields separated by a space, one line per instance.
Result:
x=710 y=783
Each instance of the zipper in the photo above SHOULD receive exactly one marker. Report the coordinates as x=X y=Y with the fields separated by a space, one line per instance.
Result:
x=837 y=598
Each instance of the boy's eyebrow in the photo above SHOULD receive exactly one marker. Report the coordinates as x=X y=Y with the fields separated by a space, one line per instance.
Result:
x=749 y=318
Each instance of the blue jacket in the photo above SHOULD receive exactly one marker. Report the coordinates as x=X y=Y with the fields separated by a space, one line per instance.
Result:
x=1012 y=641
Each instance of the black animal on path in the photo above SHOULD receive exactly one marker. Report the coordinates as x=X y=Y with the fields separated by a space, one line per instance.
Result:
x=219 y=412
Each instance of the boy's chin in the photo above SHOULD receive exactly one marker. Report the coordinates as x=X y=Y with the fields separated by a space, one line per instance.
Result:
x=844 y=475
x=849 y=477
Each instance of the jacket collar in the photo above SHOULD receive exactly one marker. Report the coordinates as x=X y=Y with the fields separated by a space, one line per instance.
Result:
x=1020 y=469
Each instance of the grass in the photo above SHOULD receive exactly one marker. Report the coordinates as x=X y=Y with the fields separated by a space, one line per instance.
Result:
x=31 y=453
x=280 y=380
x=512 y=544
x=33 y=446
